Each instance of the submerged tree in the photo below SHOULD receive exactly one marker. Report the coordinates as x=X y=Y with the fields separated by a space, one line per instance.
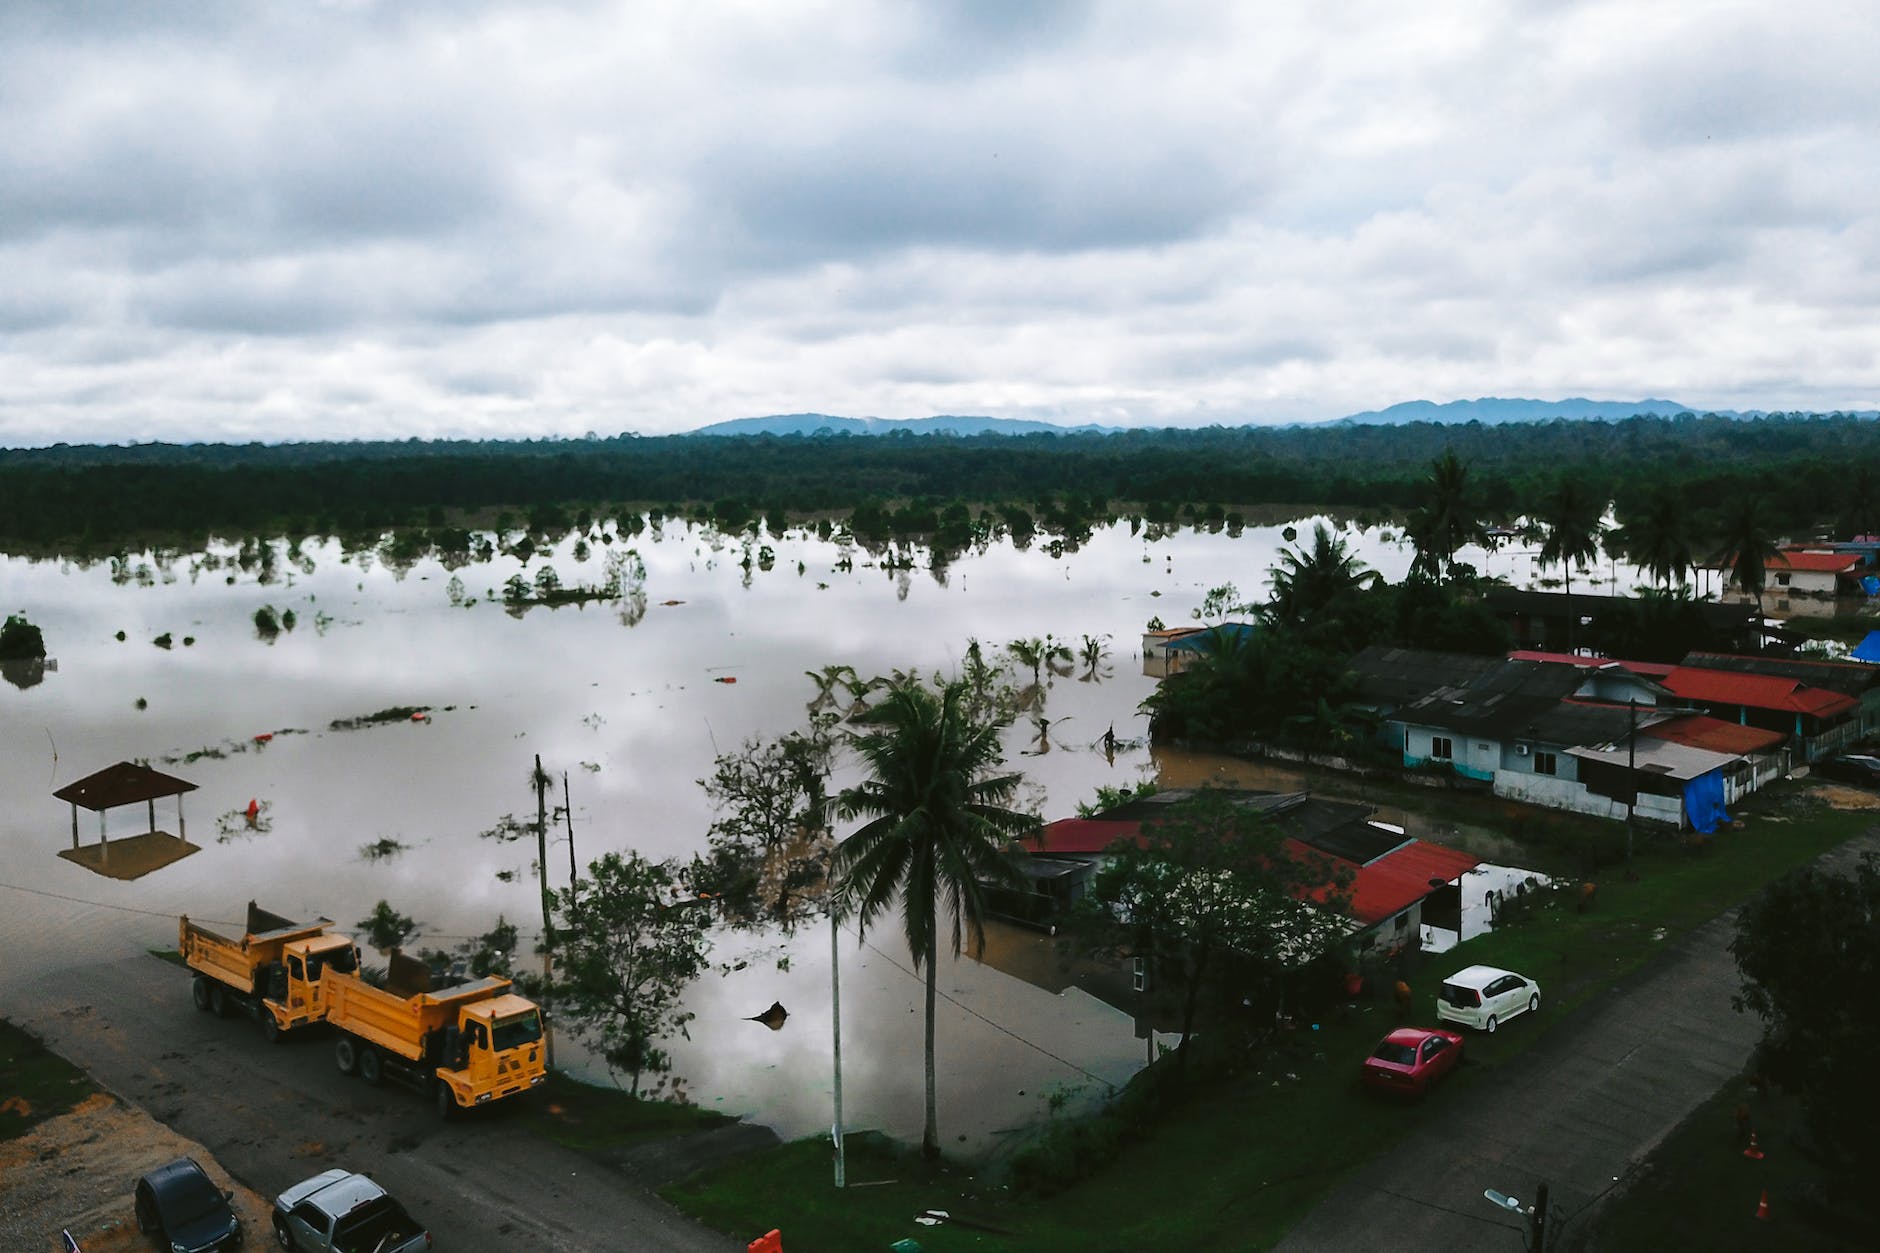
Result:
x=768 y=856
x=1314 y=586
x=1446 y=519
x=1657 y=538
x=1572 y=519
x=937 y=826
x=1747 y=546
x=623 y=948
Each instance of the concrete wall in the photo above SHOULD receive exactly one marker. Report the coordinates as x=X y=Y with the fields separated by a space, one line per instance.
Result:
x=1470 y=757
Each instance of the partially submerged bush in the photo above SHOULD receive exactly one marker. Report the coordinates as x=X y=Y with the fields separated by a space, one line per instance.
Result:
x=20 y=639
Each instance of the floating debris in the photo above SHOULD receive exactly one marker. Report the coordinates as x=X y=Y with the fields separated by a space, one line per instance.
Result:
x=774 y=1017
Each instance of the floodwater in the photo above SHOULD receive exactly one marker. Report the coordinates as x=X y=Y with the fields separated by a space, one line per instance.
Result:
x=632 y=701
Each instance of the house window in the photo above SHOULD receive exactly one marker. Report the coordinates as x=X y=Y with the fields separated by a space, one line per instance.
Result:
x=1441 y=748
x=1403 y=920
x=1782 y=580
x=1546 y=763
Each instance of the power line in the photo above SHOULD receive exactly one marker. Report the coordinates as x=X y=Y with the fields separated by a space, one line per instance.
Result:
x=957 y=1004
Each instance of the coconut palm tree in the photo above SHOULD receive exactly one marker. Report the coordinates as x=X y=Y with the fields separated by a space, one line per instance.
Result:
x=1657 y=538
x=1572 y=519
x=1446 y=520
x=1306 y=583
x=937 y=825
x=1746 y=547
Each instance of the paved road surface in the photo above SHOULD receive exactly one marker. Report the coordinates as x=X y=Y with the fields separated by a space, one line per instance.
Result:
x=275 y=1114
x=1579 y=1110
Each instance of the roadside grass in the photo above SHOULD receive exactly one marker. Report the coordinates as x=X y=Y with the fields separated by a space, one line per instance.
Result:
x=589 y=1117
x=1698 y=1191
x=35 y=1083
x=1249 y=1154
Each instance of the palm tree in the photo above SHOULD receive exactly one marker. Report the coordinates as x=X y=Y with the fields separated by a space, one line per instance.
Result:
x=1746 y=546
x=1573 y=520
x=1658 y=539
x=1307 y=583
x=937 y=827
x=1446 y=520
x=1040 y=654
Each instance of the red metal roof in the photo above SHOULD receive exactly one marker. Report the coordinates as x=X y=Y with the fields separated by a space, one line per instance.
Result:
x=1644 y=669
x=1756 y=691
x=1826 y=563
x=1398 y=880
x=1082 y=835
x=1715 y=735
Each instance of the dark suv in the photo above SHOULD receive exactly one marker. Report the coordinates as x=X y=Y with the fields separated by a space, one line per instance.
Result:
x=178 y=1203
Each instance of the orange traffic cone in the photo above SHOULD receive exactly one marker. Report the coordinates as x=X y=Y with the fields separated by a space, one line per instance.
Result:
x=254 y=809
x=1754 y=1153
x=1762 y=1206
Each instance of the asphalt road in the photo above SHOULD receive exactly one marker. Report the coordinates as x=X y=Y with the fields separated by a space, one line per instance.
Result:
x=1580 y=1110
x=276 y=1114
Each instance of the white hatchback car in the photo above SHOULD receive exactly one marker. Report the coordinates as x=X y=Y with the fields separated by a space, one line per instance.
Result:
x=1484 y=997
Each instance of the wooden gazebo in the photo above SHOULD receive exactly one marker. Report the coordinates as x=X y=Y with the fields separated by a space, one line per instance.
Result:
x=127 y=783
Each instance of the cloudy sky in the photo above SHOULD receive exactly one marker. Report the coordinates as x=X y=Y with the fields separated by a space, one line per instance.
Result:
x=291 y=220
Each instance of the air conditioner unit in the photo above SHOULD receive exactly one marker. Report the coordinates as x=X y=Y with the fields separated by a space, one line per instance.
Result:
x=1520 y=750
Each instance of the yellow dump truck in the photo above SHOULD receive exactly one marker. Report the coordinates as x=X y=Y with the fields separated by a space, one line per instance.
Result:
x=277 y=973
x=464 y=1044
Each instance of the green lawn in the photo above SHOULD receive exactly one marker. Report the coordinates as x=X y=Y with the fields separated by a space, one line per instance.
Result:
x=1238 y=1165
x=35 y=1083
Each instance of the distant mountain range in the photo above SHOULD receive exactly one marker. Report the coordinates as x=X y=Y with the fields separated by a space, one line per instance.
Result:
x=1489 y=410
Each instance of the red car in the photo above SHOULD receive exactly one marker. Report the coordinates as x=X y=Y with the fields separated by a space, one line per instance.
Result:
x=1410 y=1059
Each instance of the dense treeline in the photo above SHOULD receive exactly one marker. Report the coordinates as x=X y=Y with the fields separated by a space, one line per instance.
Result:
x=1810 y=470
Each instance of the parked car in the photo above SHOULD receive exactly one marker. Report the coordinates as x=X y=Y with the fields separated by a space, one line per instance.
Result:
x=1851 y=768
x=1484 y=997
x=338 y=1211
x=180 y=1205
x=1410 y=1059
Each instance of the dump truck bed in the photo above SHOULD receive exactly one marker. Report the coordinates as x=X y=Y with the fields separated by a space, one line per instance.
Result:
x=237 y=963
x=399 y=1022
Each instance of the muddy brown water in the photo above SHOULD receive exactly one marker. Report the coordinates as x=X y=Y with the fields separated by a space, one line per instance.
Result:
x=629 y=703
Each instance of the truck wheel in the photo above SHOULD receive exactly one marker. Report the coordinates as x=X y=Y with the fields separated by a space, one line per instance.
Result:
x=199 y=993
x=270 y=1028
x=218 y=1001
x=371 y=1066
x=281 y=1235
x=345 y=1056
x=446 y=1100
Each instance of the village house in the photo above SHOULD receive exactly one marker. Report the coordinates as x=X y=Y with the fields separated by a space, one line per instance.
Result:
x=1795 y=572
x=1849 y=678
x=1817 y=722
x=1170 y=651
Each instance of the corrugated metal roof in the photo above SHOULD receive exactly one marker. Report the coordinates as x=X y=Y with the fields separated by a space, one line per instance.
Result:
x=1756 y=691
x=1397 y=675
x=1820 y=563
x=1401 y=879
x=1499 y=703
x=123 y=784
x=1847 y=677
x=1660 y=757
x=1716 y=735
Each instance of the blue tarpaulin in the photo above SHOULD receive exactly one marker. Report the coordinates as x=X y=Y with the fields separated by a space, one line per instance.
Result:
x=1703 y=802
x=1868 y=649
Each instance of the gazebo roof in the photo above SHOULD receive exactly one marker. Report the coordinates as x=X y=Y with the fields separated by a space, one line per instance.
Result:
x=123 y=784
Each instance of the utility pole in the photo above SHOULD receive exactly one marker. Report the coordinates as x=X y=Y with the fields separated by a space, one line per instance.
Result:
x=567 y=809
x=1537 y=1221
x=540 y=780
x=1631 y=779
x=835 y=1017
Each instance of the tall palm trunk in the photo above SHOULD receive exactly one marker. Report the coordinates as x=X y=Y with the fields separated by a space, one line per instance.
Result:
x=930 y=1134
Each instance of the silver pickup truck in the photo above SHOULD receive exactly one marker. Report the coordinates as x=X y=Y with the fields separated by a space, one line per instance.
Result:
x=340 y=1212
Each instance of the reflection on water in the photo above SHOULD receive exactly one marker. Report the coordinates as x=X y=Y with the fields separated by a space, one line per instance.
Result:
x=627 y=692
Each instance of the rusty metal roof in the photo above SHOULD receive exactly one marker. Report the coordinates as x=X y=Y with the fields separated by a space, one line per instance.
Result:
x=123 y=784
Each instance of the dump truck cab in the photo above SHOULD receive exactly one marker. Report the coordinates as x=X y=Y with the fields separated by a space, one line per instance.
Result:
x=501 y=1051
x=297 y=985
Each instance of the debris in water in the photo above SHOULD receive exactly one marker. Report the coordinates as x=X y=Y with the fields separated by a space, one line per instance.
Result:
x=773 y=1017
x=253 y=811
x=264 y=737
x=726 y=678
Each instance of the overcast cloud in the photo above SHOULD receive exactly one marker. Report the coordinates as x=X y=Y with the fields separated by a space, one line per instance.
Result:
x=300 y=220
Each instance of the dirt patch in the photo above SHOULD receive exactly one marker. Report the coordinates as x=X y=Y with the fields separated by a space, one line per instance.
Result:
x=1838 y=797
x=76 y=1172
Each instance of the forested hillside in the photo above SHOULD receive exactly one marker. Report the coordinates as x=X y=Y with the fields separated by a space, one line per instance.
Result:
x=1809 y=471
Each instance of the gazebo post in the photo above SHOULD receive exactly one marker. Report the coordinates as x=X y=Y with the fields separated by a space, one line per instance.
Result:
x=182 y=832
x=74 y=824
x=151 y=805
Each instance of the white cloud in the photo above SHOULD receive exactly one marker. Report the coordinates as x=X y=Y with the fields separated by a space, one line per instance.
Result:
x=358 y=219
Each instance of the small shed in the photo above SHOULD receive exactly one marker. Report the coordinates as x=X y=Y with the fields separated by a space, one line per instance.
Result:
x=127 y=783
